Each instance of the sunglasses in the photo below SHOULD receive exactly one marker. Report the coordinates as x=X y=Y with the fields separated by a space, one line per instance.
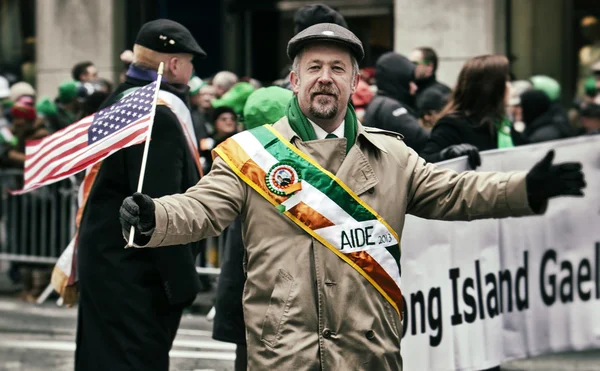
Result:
x=424 y=61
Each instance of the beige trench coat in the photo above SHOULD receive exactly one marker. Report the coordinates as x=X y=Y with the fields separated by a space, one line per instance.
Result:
x=304 y=307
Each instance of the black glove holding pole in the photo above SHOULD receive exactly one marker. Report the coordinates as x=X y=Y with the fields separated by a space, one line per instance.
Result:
x=464 y=149
x=545 y=181
x=138 y=211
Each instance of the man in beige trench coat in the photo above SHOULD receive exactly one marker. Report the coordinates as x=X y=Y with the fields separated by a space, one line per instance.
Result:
x=306 y=306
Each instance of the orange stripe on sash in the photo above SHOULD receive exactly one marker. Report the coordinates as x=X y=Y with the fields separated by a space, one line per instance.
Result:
x=309 y=216
x=376 y=271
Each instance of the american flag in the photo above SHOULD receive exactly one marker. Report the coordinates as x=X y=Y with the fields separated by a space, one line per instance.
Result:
x=89 y=140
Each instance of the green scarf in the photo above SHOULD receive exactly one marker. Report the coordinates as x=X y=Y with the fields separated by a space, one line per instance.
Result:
x=305 y=131
x=503 y=129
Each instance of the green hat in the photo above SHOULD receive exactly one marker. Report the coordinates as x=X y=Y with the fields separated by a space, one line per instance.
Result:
x=195 y=84
x=266 y=106
x=236 y=97
x=548 y=85
x=46 y=107
x=589 y=87
x=67 y=91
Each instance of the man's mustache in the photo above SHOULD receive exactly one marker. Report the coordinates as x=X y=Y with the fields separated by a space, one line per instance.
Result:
x=324 y=90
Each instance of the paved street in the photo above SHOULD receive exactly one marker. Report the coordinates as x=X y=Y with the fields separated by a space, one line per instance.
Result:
x=35 y=338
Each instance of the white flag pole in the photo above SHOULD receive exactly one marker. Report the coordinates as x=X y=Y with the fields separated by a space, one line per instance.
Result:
x=147 y=143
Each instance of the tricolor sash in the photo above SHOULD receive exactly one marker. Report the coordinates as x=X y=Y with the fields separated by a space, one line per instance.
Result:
x=318 y=202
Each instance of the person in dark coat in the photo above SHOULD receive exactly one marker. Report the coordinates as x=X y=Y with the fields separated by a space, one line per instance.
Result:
x=393 y=107
x=475 y=118
x=131 y=300
x=426 y=62
x=537 y=116
x=557 y=112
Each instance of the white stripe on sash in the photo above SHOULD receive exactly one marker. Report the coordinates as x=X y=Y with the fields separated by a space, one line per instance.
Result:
x=255 y=150
x=357 y=236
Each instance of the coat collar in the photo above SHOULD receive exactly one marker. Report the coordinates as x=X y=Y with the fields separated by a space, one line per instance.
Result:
x=356 y=170
x=284 y=128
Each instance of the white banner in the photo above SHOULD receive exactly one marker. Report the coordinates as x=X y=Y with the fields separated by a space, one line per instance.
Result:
x=484 y=292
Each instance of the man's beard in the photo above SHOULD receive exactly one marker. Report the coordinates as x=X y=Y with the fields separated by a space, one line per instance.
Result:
x=320 y=107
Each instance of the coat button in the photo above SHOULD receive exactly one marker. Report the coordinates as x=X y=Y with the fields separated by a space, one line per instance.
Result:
x=327 y=333
x=370 y=334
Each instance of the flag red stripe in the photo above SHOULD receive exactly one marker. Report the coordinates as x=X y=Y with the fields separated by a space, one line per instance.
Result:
x=33 y=159
x=53 y=161
x=49 y=143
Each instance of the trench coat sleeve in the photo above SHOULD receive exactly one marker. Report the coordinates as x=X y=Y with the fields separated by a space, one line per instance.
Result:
x=204 y=210
x=436 y=193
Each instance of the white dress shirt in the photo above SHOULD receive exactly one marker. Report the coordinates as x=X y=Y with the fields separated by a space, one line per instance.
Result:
x=321 y=134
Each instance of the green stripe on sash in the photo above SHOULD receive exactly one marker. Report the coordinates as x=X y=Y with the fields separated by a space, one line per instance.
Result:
x=312 y=175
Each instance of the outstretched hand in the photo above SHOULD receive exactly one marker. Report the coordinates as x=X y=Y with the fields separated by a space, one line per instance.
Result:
x=546 y=180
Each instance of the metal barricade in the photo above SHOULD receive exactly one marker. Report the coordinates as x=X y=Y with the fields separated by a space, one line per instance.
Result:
x=36 y=226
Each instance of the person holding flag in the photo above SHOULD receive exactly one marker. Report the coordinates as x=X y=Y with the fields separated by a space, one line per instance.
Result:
x=131 y=302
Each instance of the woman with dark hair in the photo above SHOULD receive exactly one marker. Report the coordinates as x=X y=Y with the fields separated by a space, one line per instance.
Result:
x=475 y=118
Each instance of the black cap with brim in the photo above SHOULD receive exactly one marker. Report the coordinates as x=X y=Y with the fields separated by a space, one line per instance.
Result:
x=328 y=32
x=316 y=13
x=170 y=37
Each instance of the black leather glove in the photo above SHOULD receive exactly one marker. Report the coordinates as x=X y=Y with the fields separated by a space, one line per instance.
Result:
x=545 y=181
x=138 y=211
x=464 y=149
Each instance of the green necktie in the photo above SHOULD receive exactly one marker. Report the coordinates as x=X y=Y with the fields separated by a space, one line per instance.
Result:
x=331 y=136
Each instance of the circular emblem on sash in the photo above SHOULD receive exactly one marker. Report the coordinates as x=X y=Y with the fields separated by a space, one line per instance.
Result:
x=282 y=179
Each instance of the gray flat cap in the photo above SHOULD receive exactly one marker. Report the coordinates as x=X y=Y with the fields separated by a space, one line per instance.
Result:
x=326 y=32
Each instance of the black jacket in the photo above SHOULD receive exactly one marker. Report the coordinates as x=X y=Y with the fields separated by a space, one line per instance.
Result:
x=551 y=125
x=229 y=314
x=392 y=108
x=457 y=129
x=131 y=300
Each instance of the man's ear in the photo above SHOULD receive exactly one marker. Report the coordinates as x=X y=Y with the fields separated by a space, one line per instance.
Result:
x=355 y=82
x=172 y=65
x=295 y=81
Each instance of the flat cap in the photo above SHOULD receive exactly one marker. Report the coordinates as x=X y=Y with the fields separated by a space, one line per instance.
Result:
x=326 y=32
x=167 y=36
